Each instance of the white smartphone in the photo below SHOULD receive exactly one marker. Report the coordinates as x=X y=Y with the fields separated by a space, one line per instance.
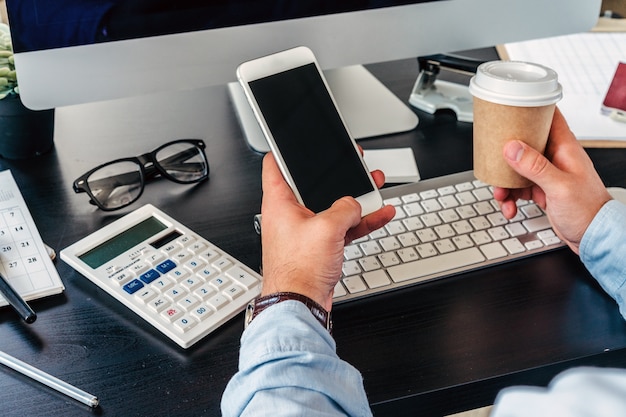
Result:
x=309 y=139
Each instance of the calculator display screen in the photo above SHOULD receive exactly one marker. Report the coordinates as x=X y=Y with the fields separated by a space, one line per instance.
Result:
x=119 y=244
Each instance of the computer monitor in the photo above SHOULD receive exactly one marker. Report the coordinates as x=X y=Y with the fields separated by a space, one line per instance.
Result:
x=71 y=52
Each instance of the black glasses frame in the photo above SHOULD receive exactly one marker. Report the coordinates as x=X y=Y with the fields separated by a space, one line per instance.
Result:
x=149 y=169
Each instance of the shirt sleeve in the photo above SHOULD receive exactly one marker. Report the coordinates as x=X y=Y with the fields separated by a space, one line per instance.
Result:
x=287 y=364
x=577 y=392
x=602 y=250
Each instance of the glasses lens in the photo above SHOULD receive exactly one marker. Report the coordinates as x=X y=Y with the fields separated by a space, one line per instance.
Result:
x=183 y=161
x=116 y=185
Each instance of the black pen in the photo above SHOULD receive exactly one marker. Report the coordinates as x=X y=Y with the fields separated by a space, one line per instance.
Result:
x=16 y=301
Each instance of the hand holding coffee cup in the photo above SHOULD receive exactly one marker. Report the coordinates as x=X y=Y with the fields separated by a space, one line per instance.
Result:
x=512 y=100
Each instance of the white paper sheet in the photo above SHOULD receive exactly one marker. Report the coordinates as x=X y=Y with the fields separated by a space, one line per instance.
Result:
x=586 y=63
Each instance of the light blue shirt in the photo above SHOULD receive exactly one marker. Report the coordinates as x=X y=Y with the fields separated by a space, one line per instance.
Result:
x=288 y=364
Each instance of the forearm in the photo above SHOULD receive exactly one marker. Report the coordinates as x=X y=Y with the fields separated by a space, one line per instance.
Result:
x=288 y=366
x=603 y=250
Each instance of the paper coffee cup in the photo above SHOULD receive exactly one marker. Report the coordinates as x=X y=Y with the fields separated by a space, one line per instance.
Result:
x=512 y=100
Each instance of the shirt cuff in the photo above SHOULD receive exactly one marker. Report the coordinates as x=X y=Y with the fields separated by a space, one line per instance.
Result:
x=602 y=250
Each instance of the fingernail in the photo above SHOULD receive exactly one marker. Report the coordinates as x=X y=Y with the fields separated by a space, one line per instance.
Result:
x=513 y=151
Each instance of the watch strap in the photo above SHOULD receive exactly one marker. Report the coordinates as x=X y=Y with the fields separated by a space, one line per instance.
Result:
x=258 y=305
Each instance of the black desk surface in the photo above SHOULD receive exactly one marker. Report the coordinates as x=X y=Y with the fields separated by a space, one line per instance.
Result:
x=434 y=349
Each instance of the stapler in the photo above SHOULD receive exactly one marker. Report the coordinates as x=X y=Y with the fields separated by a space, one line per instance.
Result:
x=430 y=94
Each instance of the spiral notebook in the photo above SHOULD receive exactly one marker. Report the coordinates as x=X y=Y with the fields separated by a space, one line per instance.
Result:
x=24 y=259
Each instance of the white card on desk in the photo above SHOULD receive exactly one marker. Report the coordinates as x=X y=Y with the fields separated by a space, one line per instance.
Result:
x=398 y=164
x=24 y=260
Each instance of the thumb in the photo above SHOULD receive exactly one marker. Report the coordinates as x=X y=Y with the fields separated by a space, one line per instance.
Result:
x=531 y=164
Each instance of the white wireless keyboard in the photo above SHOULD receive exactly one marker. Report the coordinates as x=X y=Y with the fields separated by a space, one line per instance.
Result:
x=443 y=227
x=177 y=281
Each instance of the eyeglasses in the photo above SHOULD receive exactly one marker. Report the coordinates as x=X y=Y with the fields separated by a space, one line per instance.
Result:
x=119 y=183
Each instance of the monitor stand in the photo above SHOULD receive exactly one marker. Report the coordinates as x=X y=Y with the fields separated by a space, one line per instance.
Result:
x=367 y=106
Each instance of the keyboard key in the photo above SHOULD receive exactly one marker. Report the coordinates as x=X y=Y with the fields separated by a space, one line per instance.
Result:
x=435 y=265
x=412 y=223
x=513 y=246
x=388 y=259
x=369 y=263
x=370 y=248
x=408 y=239
x=515 y=229
x=354 y=284
x=493 y=251
x=350 y=268
x=389 y=244
x=445 y=246
x=396 y=227
x=376 y=279
x=536 y=224
x=339 y=291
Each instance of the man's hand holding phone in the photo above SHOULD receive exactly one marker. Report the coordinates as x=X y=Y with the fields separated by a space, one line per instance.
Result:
x=303 y=251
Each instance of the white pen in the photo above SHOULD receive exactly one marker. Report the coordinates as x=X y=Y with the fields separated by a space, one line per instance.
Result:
x=47 y=379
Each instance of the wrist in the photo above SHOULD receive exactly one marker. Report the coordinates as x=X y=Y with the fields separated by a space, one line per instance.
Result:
x=258 y=305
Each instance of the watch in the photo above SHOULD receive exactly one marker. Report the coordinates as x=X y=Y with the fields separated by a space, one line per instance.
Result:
x=257 y=305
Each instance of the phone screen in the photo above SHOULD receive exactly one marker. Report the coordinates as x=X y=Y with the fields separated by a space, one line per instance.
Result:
x=311 y=137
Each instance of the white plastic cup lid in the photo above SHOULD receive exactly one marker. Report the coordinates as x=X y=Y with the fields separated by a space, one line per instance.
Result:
x=516 y=83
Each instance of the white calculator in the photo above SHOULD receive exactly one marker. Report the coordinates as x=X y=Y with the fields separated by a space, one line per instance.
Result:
x=171 y=277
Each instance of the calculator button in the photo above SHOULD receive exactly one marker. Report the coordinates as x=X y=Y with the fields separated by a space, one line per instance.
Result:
x=182 y=256
x=159 y=304
x=163 y=284
x=178 y=274
x=205 y=291
x=196 y=248
x=222 y=264
x=139 y=268
x=145 y=295
x=188 y=302
x=233 y=291
x=242 y=277
x=209 y=255
x=184 y=323
x=217 y=301
x=133 y=286
x=202 y=312
x=194 y=264
x=171 y=313
x=185 y=240
x=219 y=282
x=191 y=283
x=122 y=278
x=170 y=249
x=207 y=273
x=175 y=293
x=165 y=266
x=149 y=276
x=154 y=258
